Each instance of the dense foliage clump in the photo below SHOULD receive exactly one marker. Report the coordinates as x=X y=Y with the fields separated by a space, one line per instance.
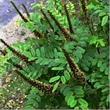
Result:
x=66 y=62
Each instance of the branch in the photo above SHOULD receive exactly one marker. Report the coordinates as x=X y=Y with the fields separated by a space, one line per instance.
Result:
x=3 y=52
x=47 y=88
x=36 y=33
x=21 y=56
x=28 y=14
x=68 y=17
x=24 y=19
x=45 y=16
x=78 y=74
x=83 y=3
x=63 y=30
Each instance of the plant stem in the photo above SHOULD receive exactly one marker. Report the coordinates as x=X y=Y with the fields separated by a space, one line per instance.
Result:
x=24 y=19
x=28 y=14
x=46 y=88
x=63 y=30
x=68 y=17
x=21 y=56
x=3 y=52
x=45 y=16
x=78 y=74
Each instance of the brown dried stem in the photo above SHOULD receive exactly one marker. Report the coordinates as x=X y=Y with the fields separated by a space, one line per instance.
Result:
x=83 y=4
x=47 y=88
x=3 y=52
x=36 y=33
x=21 y=56
x=24 y=19
x=28 y=14
x=78 y=74
x=68 y=17
x=45 y=16
x=38 y=84
x=63 y=30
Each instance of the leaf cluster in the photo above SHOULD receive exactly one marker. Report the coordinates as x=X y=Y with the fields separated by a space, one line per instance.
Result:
x=65 y=59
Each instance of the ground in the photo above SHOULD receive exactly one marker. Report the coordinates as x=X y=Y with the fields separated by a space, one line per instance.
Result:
x=7 y=12
x=11 y=32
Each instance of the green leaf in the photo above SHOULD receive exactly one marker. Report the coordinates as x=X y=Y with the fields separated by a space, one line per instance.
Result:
x=105 y=90
x=53 y=79
x=70 y=93
x=55 y=86
x=63 y=79
x=81 y=50
x=107 y=71
x=57 y=68
x=93 y=40
x=66 y=90
x=91 y=6
x=103 y=67
x=63 y=88
x=71 y=101
x=83 y=103
x=94 y=62
x=101 y=42
x=67 y=75
x=44 y=61
x=79 y=92
x=99 y=63
x=69 y=46
x=104 y=20
x=102 y=14
x=98 y=85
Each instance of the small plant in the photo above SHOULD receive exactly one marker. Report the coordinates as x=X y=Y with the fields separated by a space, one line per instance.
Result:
x=67 y=60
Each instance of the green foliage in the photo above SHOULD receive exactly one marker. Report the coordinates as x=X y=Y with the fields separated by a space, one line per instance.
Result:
x=100 y=10
x=47 y=62
x=98 y=42
x=53 y=79
x=104 y=20
x=4 y=65
x=33 y=99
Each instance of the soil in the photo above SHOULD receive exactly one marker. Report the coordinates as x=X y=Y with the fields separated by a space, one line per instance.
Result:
x=13 y=32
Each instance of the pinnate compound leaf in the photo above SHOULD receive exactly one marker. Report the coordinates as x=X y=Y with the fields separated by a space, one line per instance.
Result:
x=104 y=20
x=83 y=103
x=53 y=79
x=71 y=101
x=79 y=92
x=67 y=75
x=55 y=86
x=63 y=79
x=57 y=68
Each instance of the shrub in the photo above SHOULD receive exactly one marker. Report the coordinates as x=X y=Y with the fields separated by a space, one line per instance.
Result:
x=67 y=61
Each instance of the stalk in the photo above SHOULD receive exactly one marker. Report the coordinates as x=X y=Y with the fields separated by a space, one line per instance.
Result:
x=36 y=33
x=46 y=88
x=63 y=30
x=21 y=56
x=68 y=17
x=3 y=52
x=83 y=4
x=21 y=15
x=47 y=19
x=78 y=74
x=28 y=15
